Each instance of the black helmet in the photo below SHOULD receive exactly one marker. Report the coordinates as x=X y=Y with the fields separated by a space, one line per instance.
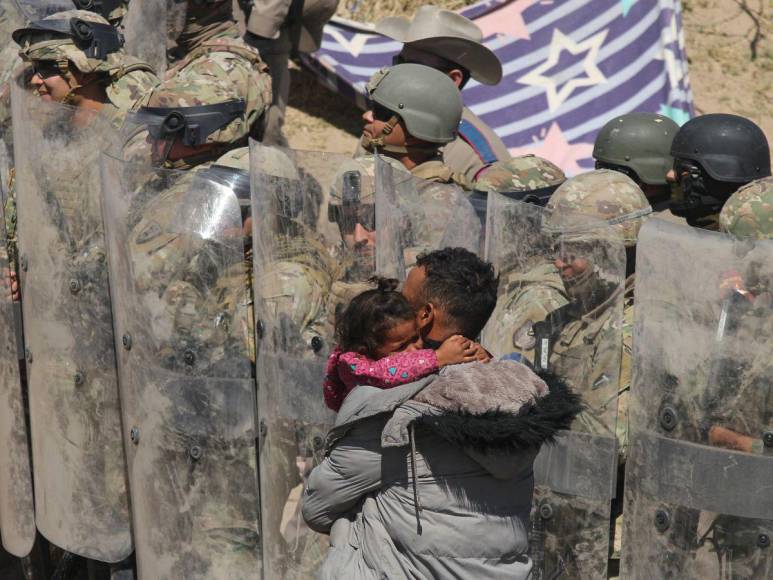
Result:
x=728 y=147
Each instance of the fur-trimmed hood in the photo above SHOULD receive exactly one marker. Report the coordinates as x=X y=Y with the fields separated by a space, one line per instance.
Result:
x=489 y=409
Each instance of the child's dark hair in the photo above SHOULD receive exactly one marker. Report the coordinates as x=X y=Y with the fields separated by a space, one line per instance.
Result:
x=369 y=314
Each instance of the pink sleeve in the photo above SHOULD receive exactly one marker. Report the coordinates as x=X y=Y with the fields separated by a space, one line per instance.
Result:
x=333 y=388
x=396 y=369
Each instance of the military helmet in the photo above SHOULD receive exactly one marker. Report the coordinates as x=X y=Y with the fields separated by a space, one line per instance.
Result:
x=606 y=195
x=638 y=142
x=425 y=99
x=728 y=147
x=526 y=178
x=748 y=213
x=84 y=39
x=198 y=109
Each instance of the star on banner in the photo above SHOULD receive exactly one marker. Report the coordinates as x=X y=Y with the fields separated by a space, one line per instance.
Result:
x=355 y=45
x=560 y=42
x=507 y=20
x=554 y=147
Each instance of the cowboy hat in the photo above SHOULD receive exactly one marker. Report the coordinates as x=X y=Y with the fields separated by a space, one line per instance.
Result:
x=448 y=35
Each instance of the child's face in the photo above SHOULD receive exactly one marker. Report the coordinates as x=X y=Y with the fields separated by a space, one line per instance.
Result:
x=403 y=336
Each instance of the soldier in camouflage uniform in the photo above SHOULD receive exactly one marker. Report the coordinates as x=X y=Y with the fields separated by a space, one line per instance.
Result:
x=574 y=307
x=739 y=417
x=201 y=277
x=210 y=47
x=415 y=111
x=199 y=113
x=70 y=99
x=109 y=83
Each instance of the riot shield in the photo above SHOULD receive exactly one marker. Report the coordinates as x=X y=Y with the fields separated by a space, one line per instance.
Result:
x=302 y=271
x=560 y=306
x=17 y=516
x=81 y=502
x=145 y=31
x=424 y=215
x=180 y=288
x=697 y=488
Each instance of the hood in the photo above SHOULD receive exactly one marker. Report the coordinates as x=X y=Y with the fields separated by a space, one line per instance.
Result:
x=489 y=409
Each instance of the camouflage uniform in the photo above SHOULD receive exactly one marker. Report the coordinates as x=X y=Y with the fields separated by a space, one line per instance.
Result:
x=211 y=76
x=586 y=351
x=527 y=173
x=213 y=54
x=745 y=409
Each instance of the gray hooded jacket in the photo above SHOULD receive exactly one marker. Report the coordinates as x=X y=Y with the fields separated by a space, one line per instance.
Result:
x=434 y=479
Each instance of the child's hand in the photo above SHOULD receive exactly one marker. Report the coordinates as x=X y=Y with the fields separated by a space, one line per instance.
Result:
x=457 y=349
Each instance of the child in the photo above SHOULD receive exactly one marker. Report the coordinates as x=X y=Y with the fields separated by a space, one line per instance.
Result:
x=379 y=345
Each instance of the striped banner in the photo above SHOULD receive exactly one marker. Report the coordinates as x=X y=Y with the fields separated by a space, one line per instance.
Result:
x=569 y=66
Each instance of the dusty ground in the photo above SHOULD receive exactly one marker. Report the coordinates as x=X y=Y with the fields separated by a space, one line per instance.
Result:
x=729 y=46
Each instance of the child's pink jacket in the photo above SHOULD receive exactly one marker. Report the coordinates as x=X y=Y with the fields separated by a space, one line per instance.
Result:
x=346 y=370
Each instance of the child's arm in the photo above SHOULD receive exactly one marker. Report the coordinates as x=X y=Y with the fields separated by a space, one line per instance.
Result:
x=396 y=369
x=333 y=389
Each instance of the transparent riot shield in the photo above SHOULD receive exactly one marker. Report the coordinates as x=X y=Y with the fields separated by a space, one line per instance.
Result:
x=180 y=287
x=425 y=215
x=302 y=272
x=560 y=306
x=17 y=512
x=321 y=230
x=145 y=31
x=81 y=502
x=700 y=466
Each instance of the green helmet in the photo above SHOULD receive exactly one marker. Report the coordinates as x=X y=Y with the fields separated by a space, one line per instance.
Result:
x=748 y=213
x=78 y=37
x=603 y=194
x=522 y=178
x=639 y=143
x=424 y=98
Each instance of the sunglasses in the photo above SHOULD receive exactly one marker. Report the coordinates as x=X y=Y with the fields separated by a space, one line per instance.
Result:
x=347 y=217
x=45 y=69
x=381 y=113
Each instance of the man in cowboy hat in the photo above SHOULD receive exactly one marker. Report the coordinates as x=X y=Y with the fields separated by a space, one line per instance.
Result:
x=451 y=43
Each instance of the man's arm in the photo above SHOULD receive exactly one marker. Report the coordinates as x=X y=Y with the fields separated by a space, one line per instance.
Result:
x=345 y=477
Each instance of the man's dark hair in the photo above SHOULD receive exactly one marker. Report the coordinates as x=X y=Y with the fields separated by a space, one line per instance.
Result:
x=462 y=285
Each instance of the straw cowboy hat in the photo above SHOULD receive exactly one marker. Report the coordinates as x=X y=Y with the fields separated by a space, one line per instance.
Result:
x=448 y=35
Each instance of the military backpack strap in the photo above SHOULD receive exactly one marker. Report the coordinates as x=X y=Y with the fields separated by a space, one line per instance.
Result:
x=134 y=66
x=477 y=140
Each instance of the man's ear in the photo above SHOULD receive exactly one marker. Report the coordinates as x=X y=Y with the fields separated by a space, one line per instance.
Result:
x=426 y=315
x=457 y=76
